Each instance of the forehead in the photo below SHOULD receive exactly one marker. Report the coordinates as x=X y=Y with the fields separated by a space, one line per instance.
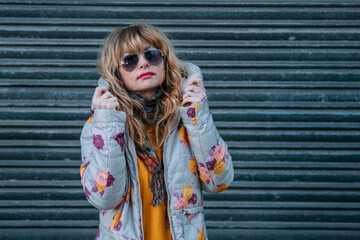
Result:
x=135 y=46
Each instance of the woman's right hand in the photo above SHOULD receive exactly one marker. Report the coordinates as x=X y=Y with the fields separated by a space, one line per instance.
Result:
x=102 y=98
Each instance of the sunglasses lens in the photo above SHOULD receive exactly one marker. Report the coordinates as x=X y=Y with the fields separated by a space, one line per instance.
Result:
x=130 y=62
x=153 y=56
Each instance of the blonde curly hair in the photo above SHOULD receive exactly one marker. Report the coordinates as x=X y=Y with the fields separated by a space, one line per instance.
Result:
x=129 y=39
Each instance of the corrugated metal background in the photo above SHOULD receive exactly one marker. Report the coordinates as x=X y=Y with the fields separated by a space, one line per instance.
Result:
x=283 y=82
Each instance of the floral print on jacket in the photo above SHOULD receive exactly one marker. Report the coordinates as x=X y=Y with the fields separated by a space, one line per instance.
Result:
x=110 y=180
x=186 y=197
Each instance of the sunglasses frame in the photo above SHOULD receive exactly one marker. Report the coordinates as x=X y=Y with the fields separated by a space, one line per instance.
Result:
x=138 y=58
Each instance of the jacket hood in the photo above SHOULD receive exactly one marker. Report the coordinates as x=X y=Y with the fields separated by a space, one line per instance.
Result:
x=193 y=72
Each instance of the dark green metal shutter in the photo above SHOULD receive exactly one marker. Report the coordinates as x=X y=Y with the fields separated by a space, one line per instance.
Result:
x=282 y=80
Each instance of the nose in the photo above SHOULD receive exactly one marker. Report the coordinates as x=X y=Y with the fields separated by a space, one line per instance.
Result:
x=143 y=62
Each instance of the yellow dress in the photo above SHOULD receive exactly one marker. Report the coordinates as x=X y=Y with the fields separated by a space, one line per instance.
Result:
x=156 y=227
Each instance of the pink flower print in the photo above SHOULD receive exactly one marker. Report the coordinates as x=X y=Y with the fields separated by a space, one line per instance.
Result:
x=211 y=164
x=87 y=193
x=219 y=152
x=181 y=204
x=193 y=199
x=105 y=179
x=204 y=174
x=191 y=112
x=98 y=141
x=118 y=136
x=103 y=212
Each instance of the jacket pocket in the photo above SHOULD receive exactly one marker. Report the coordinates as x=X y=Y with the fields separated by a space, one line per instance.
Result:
x=194 y=223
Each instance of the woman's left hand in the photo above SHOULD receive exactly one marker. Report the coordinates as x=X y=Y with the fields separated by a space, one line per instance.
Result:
x=194 y=93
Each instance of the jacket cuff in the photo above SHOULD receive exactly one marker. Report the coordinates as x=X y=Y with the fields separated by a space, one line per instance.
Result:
x=194 y=115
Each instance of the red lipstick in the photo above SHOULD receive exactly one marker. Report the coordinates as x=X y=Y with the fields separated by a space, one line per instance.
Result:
x=146 y=75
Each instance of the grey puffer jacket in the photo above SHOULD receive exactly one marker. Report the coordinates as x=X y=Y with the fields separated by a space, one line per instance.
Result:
x=195 y=158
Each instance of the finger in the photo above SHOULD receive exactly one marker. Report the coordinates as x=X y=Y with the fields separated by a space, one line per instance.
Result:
x=196 y=81
x=106 y=95
x=99 y=91
x=193 y=94
x=192 y=100
x=192 y=88
x=114 y=99
x=109 y=105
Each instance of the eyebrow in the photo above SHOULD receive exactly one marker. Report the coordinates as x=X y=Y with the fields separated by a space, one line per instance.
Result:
x=146 y=48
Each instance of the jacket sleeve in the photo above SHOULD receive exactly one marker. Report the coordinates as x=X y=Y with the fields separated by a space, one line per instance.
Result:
x=103 y=170
x=214 y=162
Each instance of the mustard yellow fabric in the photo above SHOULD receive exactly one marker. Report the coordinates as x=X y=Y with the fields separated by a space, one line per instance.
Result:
x=153 y=216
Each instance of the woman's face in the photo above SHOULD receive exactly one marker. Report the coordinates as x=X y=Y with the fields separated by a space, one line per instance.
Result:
x=145 y=78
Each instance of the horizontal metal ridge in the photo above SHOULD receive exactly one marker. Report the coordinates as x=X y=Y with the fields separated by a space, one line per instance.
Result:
x=311 y=225
x=211 y=224
x=40 y=183
x=277 y=64
x=209 y=74
x=228 y=195
x=211 y=33
x=195 y=43
x=227 y=215
x=296 y=135
x=236 y=84
x=207 y=11
x=47 y=204
x=69 y=204
x=293 y=145
x=191 y=54
x=242 y=185
x=246 y=3
x=80 y=233
x=229 y=114
x=232 y=144
x=277 y=205
x=40 y=163
x=234 y=104
x=311 y=112
x=47 y=223
x=46 y=124
x=292 y=165
x=279 y=176
x=270 y=164
x=83 y=22
x=294 y=185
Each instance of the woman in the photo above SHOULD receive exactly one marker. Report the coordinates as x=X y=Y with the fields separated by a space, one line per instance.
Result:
x=146 y=154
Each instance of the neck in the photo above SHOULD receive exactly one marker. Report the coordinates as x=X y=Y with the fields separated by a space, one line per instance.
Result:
x=148 y=93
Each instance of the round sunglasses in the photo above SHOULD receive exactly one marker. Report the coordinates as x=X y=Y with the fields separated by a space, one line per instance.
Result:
x=153 y=56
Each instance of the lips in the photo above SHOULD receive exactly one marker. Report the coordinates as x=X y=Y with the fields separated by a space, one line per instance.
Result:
x=146 y=75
